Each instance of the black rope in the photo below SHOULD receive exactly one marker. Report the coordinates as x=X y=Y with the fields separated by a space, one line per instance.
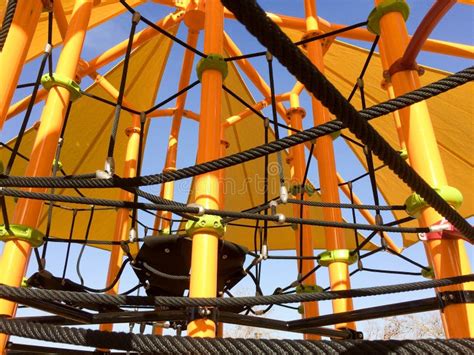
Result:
x=81 y=252
x=27 y=116
x=118 y=107
x=221 y=213
x=118 y=300
x=68 y=250
x=347 y=205
x=186 y=345
x=110 y=103
x=271 y=36
x=7 y=21
x=172 y=97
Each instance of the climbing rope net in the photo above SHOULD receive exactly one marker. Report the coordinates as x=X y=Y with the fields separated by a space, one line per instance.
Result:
x=75 y=303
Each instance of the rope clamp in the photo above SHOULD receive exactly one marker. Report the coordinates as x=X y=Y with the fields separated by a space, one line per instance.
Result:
x=206 y=224
x=447 y=298
x=49 y=81
x=428 y=273
x=328 y=257
x=20 y=232
x=213 y=62
x=194 y=313
x=441 y=230
x=415 y=204
x=384 y=8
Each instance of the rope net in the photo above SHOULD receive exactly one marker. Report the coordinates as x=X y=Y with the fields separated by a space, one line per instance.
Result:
x=79 y=204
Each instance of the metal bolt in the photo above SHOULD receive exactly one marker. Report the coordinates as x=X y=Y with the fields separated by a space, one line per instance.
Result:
x=224 y=256
x=167 y=251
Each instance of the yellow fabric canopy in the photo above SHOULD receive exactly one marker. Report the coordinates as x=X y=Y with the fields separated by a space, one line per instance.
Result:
x=87 y=136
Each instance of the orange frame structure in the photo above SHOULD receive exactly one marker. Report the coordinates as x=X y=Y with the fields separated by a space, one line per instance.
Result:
x=448 y=257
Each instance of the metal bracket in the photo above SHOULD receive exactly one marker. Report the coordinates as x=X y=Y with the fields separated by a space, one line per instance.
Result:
x=447 y=298
x=193 y=313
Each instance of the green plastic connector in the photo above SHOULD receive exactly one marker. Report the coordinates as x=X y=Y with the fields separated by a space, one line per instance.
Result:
x=296 y=189
x=24 y=233
x=335 y=135
x=60 y=165
x=403 y=154
x=205 y=223
x=49 y=81
x=383 y=8
x=301 y=309
x=308 y=289
x=415 y=204
x=24 y=282
x=212 y=61
x=338 y=255
x=428 y=274
x=165 y=231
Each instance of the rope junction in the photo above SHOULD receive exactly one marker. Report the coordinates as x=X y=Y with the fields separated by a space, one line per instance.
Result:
x=70 y=306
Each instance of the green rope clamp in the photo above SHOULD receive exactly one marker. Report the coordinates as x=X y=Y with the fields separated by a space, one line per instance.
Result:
x=60 y=165
x=308 y=289
x=403 y=154
x=301 y=309
x=24 y=282
x=428 y=274
x=24 y=233
x=384 y=8
x=415 y=204
x=339 y=255
x=214 y=62
x=49 y=81
x=296 y=189
x=205 y=223
x=165 y=231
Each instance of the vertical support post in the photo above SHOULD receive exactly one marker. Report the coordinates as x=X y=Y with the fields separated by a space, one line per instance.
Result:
x=298 y=167
x=16 y=253
x=15 y=50
x=447 y=256
x=338 y=271
x=204 y=248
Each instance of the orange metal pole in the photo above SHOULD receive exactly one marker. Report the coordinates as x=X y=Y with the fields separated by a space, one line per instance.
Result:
x=298 y=167
x=448 y=257
x=338 y=271
x=204 y=252
x=16 y=253
x=15 y=49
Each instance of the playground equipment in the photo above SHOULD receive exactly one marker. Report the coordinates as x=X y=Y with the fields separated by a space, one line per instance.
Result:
x=76 y=175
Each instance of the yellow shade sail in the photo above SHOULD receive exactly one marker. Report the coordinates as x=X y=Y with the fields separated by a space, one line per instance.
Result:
x=87 y=136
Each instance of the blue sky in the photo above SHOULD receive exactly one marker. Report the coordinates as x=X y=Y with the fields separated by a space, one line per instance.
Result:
x=457 y=26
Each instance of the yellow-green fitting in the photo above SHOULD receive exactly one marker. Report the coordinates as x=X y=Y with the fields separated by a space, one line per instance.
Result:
x=49 y=81
x=339 y=255
x=308 y=289
x=212 y=61
x=383 y=8
x=60 y=165
x=20 y=232
x=415 y=204
x=24 y=282
x=296 y=189
x=428 y=274
x=206 y=223
x=403 y=154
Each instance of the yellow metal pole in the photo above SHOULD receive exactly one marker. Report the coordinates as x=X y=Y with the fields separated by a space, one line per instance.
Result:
x=16 y=254
x=298 y=167
x=15 y=49
x=338 y=270
x=204 y=249
x=448 y=257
